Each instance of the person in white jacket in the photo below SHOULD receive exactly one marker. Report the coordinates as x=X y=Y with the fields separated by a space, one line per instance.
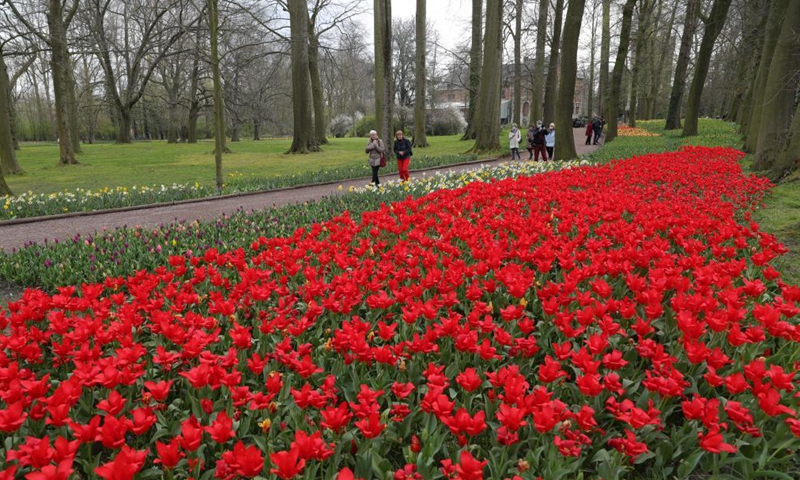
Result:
x=550 y=140
x=514 y=137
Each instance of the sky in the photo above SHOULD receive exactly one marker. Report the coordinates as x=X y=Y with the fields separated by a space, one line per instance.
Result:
x=451 y=18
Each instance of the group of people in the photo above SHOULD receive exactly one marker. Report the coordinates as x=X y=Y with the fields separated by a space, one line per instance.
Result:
x=594 y=127
x=541 y=140
x=377 y=155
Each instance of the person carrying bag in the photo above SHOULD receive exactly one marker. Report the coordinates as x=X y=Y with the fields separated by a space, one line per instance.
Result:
x=377 y=155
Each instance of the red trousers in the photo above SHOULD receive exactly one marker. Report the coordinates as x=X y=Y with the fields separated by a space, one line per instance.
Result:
x=537 y=149
x=402 y=168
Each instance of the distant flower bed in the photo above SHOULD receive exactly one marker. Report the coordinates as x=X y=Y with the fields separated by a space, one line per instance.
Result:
x=30 y=204
x=626 y=131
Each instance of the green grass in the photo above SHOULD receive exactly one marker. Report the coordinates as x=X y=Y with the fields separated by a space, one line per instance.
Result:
x=781 y=217
x=155 y=163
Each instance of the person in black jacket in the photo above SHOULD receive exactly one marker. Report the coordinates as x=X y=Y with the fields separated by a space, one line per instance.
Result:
x=402 y=150
x=539 y=142
x=597 y=126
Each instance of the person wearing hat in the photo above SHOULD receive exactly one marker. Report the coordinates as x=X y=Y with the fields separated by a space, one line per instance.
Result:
x=402 y=150
x=550 y=140
x=376 y=151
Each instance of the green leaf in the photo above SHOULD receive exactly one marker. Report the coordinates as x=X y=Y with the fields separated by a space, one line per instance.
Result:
x=686 y=467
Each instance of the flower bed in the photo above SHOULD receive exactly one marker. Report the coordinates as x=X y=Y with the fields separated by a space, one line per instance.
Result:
x=30 y=204
x=121 y=251
x=616 y=320
x=628 y=131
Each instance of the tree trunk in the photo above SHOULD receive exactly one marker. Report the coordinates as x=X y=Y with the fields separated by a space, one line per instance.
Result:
x=552 y=70
x=384 y=100
x=124 y=125
x=565 y=147
x=8 y=157
x=659 y=68
x=304 y=139
x=592 y=48
x=420 y=139
x=60 y=84
x=316 y=87
x=194 y=102
x=612 y=102
x=235 y=137
x=679 y=83
x=745 y=106
x=788 y=161
x=516 y=115
x=716 y=20
x=487 y=115
x=256 y=130
x=72 y=103
x=12 y=114
x=753 y=33
x=219 y=111
x=779 y=94
x=605 y=54
x=774 y=23
x=645 y=10
x=538 y=71
x=475 y=59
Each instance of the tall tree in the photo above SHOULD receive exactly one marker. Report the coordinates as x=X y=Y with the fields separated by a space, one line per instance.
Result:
x=303 y=137
x=219 y=109
x=8 y=157
x=713 y=26
x=774 y=24
x=516 y=114
x=788 y=161
x=538 y=71
x=605 y=54
x=592 y=50
x=679 y=84
x=750 y=64
x=487 y=115
x=155 y=31
x=552 y=69
x=612 y=101
x=645 y=12
x=420 y=140
x=658 y=68
x=566 y=87
x=475 y=62
x=59 y=16
x=780 y=91
x=384 y=98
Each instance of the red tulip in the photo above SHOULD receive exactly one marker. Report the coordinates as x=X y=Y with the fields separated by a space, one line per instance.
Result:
x=287 y=463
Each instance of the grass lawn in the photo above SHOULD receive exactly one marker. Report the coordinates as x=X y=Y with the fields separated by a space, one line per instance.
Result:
x=781 y=217
x=155 y=163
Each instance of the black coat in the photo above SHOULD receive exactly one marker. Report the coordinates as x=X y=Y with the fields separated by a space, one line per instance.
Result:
x=404 y=146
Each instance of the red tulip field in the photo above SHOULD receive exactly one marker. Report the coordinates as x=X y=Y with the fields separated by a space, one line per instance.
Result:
x=616 y=321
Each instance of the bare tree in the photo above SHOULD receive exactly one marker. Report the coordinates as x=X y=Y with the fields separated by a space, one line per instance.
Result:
x=612 y=101
x=383 y=68
x=487 y=115
x=713 y=26
x=304 y=140
x=566 y=88
x=475 y=61
x=59 y=15
x=420 y=139
x=552 y=69
x=538 y=71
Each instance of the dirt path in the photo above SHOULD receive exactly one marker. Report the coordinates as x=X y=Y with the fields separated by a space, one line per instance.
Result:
x=16 y=236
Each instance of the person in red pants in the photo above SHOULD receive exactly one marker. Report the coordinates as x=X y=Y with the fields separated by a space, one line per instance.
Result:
x=402 y=150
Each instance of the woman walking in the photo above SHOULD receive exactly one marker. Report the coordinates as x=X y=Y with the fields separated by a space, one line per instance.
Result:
x=530 y=137
x=514 y=137
x=550 y=140
x=376 y=151
x=402 y=150
x=589 y=132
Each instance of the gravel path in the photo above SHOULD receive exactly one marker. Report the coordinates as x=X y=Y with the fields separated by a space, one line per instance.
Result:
x=15 y=236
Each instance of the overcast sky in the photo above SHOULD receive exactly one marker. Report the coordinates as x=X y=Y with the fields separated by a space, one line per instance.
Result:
x=451 y=18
